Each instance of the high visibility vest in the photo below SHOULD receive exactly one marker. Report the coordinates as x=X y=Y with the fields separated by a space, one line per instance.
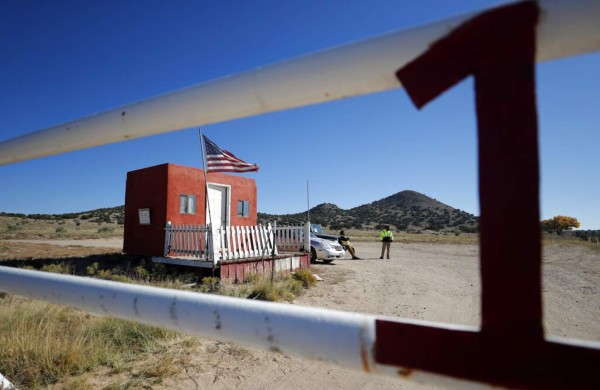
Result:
x=386 y=233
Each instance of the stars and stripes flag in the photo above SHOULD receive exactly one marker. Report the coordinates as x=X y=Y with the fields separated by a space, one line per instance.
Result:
x=220 y=160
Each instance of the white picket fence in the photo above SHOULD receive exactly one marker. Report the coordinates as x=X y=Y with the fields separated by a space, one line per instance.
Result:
x=292 y=238
x=188 y=241
x=228 y=243
x=244 y=242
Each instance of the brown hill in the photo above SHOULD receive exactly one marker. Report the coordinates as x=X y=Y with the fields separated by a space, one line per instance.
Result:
x=406 y=210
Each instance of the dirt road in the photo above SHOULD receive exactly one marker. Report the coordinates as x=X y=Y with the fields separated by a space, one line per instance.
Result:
x=112 y=242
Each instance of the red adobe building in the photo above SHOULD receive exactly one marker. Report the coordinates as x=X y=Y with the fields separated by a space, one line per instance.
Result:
x=170 y=192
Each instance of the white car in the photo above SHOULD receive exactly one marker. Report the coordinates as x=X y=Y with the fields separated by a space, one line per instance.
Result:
x=325 y=250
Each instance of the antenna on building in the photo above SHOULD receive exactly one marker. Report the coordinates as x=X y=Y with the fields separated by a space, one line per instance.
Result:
x=307 y=203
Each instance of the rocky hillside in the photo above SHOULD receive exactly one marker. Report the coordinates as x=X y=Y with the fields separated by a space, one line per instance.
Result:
x=406 y=210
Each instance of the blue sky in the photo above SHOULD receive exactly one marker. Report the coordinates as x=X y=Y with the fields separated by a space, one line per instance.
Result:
x=63 y=60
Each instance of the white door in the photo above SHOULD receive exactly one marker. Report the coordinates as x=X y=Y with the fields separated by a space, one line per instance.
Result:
x=218 y=214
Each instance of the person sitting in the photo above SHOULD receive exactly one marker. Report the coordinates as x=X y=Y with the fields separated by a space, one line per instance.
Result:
x=345 y=243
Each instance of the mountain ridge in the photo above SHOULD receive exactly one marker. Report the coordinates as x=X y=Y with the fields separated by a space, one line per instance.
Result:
x=406 y=210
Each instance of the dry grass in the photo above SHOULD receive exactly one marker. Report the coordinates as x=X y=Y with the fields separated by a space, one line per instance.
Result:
x=92 y=342
x=24 y=250
x=284 y=287
x=460 y=239
x=27 y=228
x=404 y=237
x=306 y=278
x=129 y=354
x=569 y=241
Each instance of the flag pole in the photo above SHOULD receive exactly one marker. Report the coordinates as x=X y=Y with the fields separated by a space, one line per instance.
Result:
x=206 y=201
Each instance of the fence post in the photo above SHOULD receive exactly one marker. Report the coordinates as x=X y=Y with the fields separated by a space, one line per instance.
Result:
x=307 y=237
x=167 y=238
x=211 y=243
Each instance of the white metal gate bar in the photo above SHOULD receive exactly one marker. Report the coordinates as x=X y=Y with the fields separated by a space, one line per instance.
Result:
x=5 y=383
x=568 y=27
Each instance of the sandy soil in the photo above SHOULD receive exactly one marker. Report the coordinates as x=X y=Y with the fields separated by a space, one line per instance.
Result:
x=430 y=282
x=113 y=242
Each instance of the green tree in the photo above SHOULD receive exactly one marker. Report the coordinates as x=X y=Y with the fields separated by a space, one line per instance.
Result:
x=559 y=224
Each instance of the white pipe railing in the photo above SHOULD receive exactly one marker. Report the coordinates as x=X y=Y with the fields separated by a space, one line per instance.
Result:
x=566 y=28
x=5 y=383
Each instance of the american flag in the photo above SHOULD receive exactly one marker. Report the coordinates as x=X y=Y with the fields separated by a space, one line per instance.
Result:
x=220 y=160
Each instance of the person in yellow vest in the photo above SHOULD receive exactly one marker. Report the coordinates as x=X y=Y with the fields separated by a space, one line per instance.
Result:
x=345 y=243
x=386 y=237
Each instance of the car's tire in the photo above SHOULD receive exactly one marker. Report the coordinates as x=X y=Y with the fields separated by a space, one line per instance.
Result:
x=327 y=261
x=313 y=255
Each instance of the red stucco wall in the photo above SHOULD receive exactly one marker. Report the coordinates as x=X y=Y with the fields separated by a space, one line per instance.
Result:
x=145 y=188
x=159 y=188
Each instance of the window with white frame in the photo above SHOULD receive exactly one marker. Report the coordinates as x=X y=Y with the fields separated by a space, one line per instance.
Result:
x=243 y=208
x=187 y=204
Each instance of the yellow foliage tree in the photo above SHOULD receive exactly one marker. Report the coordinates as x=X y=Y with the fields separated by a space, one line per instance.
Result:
x=559 y=223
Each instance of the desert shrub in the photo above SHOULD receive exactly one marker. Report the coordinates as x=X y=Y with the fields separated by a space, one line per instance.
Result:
x=306 y=277
x=57 y=268
x=113 y=274
x=120 y=278
x=209 y=284
x=91 y=270
x=264 y=290
x=233 y=290
x=284 y=288
x=106 y=229
x=61 y=230
x=13 y=228
x=141 y=272
x=104 y=274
